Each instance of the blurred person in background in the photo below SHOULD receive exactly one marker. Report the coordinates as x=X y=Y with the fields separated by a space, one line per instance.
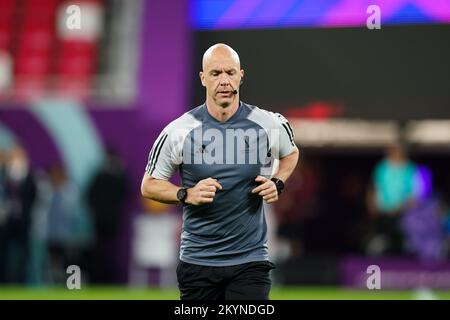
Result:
x=392 y=193
x=37 y=273
x=61 y=215
x=106 y=196
x=445 y=216
x=18 y=194
x=422 y=222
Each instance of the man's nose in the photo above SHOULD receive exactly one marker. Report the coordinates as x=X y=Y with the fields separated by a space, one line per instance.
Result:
x=224 y=80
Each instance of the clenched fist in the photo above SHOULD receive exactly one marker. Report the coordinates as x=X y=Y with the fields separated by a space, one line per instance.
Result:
x=267 y=189
x=203 y=192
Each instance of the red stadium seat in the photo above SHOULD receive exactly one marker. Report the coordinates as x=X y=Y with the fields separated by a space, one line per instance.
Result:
x=31 y=65
x=5 y=39
x=42 y=60
x=6 y=20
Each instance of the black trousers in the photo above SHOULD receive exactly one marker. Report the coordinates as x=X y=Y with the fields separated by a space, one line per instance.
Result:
x=248 y=281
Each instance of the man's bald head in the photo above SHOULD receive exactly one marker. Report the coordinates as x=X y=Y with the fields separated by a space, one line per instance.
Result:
x=220 y=50
x=221 y=75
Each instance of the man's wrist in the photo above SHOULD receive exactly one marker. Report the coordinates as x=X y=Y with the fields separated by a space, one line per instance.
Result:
x=188 y=194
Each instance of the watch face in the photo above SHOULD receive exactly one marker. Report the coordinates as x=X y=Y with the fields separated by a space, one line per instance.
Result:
x=279 y=184
x=181 y=194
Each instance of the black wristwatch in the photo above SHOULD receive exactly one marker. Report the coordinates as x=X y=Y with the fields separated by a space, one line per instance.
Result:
x=279 y=184
x=182 y=195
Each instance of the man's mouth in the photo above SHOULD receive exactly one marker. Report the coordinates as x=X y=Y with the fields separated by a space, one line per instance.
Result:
x=224 y=92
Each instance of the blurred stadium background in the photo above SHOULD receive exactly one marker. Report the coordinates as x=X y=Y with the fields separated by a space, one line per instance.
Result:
x=80 y=109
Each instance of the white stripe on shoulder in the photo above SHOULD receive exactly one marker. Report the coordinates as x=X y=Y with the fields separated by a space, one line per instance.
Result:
x=185 y=122
x=178 y=130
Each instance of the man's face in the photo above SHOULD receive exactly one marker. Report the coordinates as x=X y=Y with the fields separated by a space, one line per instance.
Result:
x=221 y=75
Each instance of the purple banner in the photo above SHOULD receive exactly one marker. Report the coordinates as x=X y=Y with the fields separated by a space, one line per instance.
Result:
x=395 y=273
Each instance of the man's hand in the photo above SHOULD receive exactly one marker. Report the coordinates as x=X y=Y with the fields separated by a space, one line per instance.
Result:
x=203 y=192
x=267 y=190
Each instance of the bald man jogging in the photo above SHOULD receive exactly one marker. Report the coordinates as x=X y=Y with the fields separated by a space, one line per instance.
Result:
x=225 y=150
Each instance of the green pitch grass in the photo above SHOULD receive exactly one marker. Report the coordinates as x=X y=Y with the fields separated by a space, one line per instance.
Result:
x=277 y=293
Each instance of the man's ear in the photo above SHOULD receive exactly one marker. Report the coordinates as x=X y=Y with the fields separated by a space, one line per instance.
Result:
x=242 y=73
x=202 y=79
